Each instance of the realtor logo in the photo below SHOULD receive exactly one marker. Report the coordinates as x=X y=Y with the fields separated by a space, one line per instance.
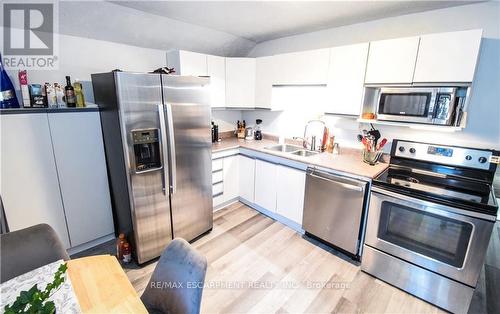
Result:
x=29 y=40
x=28 y=29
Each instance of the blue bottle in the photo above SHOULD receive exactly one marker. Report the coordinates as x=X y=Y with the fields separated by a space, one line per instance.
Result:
x=8 y=97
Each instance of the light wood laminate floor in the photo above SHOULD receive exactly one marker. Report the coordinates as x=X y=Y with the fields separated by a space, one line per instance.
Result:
x=258 y=265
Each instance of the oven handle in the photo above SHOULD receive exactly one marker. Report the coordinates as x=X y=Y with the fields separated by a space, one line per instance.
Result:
x=433 y=205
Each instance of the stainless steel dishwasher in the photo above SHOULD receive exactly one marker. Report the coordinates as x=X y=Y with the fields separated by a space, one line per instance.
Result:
x=333 y=209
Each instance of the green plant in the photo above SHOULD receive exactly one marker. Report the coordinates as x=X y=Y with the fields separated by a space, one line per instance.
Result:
x=35 y=301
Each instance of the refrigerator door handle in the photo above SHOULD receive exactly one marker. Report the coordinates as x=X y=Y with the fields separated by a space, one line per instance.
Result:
x=164 y=152
x=171 y=149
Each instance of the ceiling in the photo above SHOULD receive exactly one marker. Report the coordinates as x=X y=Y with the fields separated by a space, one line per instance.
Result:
x=260 y=21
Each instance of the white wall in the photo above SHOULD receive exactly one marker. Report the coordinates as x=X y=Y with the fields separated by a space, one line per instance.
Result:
x=80 y=57
x=226 y=119
x=483 y=128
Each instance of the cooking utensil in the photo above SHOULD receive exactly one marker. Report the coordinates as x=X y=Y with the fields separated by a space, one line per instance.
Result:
x=376 y=134
x=382 y=144
x=365 y=143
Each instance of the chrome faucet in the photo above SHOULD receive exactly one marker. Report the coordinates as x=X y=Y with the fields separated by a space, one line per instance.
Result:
x=305 y=142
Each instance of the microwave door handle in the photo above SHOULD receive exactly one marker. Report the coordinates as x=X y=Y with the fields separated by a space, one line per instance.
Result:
x=171 y=149
x=163 y=143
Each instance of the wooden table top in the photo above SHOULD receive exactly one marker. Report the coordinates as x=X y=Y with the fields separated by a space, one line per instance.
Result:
x=101 y=286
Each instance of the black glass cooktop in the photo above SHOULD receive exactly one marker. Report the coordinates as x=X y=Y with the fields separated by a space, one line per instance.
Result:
x=438 y=187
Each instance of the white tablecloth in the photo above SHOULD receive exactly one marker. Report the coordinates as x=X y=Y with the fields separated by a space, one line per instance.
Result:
x=64 y=298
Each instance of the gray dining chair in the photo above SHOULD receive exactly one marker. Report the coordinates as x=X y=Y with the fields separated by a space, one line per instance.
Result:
x=28 y=249
x=176 y=285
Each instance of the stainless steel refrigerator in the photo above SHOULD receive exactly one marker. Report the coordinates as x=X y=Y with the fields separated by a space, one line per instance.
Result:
x=157 y=140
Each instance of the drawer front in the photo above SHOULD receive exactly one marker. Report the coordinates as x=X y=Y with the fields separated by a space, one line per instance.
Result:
x=218 y=200
x=217 y=176
x=217 y=189
x=217 y=164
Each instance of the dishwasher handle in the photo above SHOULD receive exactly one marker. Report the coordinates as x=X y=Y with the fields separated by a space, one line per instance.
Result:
x=344 y=185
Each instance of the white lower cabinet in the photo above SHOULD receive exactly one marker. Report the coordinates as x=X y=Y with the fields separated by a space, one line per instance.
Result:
x=247 y=178
x=266 y=184
x=231 y=178
x=225 y=179
x=276 y=188
x=30 y=187
x=54 y=172
x=81 y=165
x=290 y=193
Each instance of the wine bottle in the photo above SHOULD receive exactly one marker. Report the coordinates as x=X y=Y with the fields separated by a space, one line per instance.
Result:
x=8 y=97
x=69 y=93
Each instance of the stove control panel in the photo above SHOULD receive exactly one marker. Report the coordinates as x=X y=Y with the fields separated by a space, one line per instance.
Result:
x=448 y=155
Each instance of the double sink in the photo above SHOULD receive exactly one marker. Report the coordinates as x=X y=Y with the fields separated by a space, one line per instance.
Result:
x=292 y=149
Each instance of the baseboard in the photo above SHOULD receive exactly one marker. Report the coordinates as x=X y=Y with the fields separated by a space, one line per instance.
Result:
x=225 y=204
x=90 y=244
x=287 y=222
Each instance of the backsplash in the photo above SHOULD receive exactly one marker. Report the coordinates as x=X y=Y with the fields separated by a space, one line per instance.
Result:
x=345 y=130
x=226 y=119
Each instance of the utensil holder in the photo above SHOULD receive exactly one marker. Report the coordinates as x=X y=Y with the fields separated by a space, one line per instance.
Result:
x=371 y=158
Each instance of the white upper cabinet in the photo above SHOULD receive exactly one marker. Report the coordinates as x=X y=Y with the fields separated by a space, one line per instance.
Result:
x=240 y=82
x=301 y=68
x=217 y=72
x=392 y=61
x=346 y=77
x=448 y=57
x=264 y=78
x=187 y=62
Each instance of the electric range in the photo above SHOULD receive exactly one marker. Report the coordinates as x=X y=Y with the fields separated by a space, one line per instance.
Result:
x=430 y=218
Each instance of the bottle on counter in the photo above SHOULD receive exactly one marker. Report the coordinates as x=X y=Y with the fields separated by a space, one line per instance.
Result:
x=127 y=253
x=51 y=95
x=69 y=93
x=44 y=95
x=8 y=97
x=120 y=242
x=216 y=133
x=80 y=99
x=59 y=93
x=25 y=90
x=213 y=132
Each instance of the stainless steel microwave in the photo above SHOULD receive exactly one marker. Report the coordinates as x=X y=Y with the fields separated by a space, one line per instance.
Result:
x=430 y=105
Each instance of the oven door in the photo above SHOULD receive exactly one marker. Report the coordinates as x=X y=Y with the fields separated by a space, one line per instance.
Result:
x=407 y=104
x=432 y=236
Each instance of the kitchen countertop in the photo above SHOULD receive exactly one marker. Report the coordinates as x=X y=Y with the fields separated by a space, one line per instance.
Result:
x=349 y=161
x=89 y=108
